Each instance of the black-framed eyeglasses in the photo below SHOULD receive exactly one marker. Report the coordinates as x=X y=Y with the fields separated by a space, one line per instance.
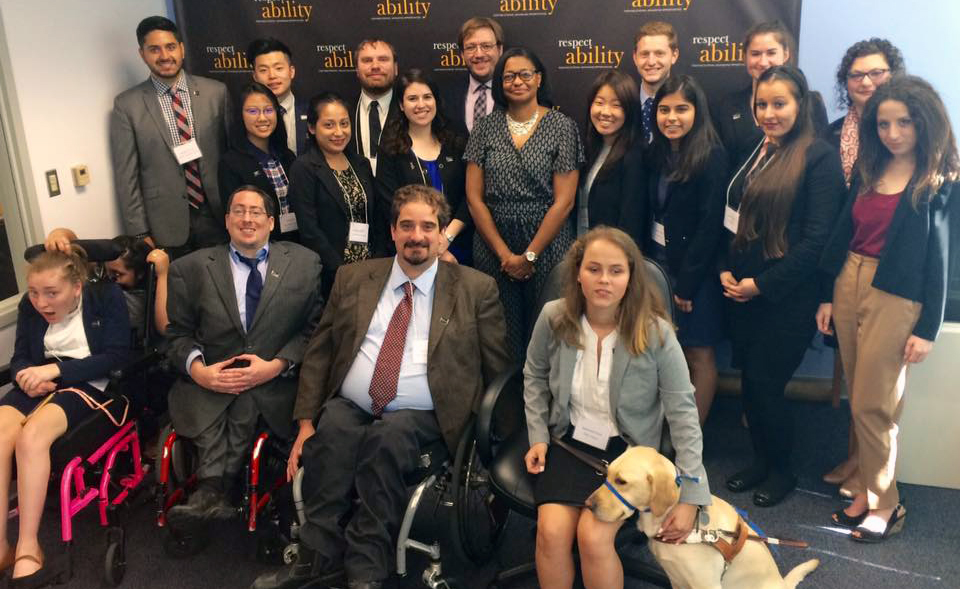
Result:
x=524 y=75
x=874 y=75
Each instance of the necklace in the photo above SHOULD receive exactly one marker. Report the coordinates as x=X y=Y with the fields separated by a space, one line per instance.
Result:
x=524 y=127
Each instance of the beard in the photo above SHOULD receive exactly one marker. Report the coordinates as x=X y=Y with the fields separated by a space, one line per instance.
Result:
x=416 y=256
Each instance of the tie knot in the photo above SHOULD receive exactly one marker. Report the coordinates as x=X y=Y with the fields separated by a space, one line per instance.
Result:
x=374 y=105
x=482 y=87
x=283 y=111
x=250 y=262
x=408 y=290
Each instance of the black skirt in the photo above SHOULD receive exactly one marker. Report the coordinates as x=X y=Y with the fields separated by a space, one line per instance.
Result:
x=567 y=479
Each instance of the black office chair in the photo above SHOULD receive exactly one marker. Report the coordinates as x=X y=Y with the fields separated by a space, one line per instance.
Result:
x=500 y=442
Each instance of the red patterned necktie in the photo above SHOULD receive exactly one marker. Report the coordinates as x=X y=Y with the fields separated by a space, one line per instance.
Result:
x=386 y=372
x=191 y=169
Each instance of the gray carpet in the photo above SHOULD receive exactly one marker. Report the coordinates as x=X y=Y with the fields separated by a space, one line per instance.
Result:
x=924 y=555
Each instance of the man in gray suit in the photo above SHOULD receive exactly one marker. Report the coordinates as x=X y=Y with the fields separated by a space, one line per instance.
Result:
x=240 y=318
x=166 y=137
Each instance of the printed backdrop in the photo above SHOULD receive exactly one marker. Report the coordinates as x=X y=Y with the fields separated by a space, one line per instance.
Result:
x=574 y=38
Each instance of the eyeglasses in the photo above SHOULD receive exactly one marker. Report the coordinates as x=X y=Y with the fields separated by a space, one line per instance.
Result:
x=524 y=75
x=874 y=75
x=474 y=47
x=255 y=213
x=256 y=112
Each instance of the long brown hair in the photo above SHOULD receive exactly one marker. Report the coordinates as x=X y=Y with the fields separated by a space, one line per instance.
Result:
x=641 y=304
x=767 y=201
x=936 y=148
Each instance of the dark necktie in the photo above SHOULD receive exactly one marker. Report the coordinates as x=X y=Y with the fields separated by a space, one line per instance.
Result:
x=646 y=120
x=374 y=139
x=254 y=288
x=191 y=170
x=386 y=372
x=480 y=104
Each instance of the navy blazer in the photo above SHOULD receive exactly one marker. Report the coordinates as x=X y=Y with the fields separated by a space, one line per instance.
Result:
x=300 y=108
x=107 y=327
x=914 y=260
x=239 y=167
x=455 y=104
x=617 y=198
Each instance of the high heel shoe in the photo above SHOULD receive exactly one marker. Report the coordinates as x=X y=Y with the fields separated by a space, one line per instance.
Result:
x=841 y=518
x=894 y=525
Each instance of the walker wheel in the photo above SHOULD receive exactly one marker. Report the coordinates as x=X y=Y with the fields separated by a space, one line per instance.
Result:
x=114 y=564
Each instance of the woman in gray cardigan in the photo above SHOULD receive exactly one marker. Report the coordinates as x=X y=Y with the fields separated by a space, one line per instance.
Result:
x=603 y=370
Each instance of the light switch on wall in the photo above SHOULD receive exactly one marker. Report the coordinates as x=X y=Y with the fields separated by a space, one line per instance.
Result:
x=53 y=184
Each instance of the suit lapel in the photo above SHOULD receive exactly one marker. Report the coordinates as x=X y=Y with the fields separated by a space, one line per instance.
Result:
x=368 y=297
x=277 y=264
x=621 y=359
x=330 y=184
x=444 y=300
x=152 y=104
x=197 y=104
x=568 y=359
x=222 y=277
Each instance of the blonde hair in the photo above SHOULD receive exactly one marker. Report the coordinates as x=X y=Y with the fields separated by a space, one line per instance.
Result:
x=639 y=309
x=72 y=263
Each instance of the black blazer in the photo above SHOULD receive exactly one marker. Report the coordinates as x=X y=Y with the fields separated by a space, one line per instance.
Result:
x=914 y=262
x=322 y=215
x=300 y=111
x=790 y=286
x=831 y=133
x=617 y=197
x=693 y=222
x=455 y=105
x=739 y=134
x=239 y=167
x=107 y=327
x=356 y=143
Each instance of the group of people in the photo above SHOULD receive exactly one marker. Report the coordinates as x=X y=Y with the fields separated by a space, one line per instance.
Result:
x=322 y=280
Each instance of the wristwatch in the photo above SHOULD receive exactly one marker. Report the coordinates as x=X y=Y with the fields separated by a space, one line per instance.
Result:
x=531 y=256
x=449 y=237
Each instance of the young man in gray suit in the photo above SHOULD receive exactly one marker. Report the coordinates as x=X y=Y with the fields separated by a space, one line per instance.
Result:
x=166 y=137
x=405 y=348
x=240 y=318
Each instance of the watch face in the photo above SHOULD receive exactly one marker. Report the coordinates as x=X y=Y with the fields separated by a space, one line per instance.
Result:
x=531 y=257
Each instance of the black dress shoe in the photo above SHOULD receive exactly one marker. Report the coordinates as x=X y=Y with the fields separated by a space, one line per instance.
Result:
x=205 y=504
x=774 y=489
x=747 y=478
x=299 y=575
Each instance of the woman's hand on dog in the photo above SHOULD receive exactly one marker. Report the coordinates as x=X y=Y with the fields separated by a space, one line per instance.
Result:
x=536 y=458
x=678 y=523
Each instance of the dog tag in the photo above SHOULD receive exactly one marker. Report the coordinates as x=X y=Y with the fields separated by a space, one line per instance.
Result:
x=288 y=222
x=592 y=432
x=658 y=234
x=731 y=219
x=187 y=152
x=359 y=232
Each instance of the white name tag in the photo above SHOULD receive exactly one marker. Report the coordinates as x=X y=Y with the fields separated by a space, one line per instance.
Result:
x=418 y=352
x=731 y=219
x=359 y=232
x=187 y=152
x=592 y=432
x=288 y=222
x=659 y=234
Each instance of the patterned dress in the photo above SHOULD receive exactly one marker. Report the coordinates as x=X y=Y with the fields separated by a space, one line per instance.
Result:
x=356 y=200
x=518 y=190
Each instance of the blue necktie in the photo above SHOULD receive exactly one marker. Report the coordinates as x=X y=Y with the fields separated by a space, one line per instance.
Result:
x=646 y=120
x=254 y=288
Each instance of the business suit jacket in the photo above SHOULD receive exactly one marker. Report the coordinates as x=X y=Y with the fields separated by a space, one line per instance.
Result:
x=106 y=324
x=693 y=222
x=300 y=112
x=914 y=260
x=356 y=141
x=150 y=184
x=643 y=390
x=322 y=214
x=466 y=344
x=455 y=105
x=617 y=197
x=204 y=315
x=239 y=167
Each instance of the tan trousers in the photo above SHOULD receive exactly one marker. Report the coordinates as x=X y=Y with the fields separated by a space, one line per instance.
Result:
x=872 y=328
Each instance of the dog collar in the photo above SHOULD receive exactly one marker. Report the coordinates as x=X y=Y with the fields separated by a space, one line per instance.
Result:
x=680 y=478
x=622 y=499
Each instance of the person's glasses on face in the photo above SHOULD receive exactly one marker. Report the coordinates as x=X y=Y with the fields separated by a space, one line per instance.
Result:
x=874 y=75
x=475 y=47
x=524 y=75
x=256 y=213
x=256 y=112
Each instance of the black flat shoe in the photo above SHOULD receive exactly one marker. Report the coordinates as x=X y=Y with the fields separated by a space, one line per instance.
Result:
x=42 y=577
x=894 y=525
x=774 y=489
x=747 y=479
x=841 y=518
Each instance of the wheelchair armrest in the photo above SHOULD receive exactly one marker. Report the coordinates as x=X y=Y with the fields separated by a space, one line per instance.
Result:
x=485 y=412
x=5 y=376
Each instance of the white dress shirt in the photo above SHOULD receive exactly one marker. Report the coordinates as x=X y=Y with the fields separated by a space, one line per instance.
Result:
x=590 y=389
x=413 y=389
x=289 y=105
x=363 y=121
x=67 y=338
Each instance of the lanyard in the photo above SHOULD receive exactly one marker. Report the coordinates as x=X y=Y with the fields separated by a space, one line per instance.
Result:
x=740 y=171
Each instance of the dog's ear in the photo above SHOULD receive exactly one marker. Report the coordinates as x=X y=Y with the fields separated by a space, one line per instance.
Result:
x=664 y=493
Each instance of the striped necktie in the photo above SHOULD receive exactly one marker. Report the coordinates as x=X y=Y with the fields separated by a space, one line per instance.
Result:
x=191 y=170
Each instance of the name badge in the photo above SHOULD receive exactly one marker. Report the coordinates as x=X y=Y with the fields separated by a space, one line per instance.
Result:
x=659 y=234
x=288 y=222
x=731 y=219
x=418 y=352
x=187 y=152
x=359 y=232
x=592 y=432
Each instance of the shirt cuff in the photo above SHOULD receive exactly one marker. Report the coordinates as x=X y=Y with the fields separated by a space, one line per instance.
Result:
x=193 y=355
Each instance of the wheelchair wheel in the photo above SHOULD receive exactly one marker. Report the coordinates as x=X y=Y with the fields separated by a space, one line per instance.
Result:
x=479 y=518
x=114 y=564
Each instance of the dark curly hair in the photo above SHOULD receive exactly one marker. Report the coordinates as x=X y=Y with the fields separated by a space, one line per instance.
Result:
x=872 y=46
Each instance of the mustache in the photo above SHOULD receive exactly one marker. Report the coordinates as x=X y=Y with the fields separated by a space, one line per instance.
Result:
x=412 y=243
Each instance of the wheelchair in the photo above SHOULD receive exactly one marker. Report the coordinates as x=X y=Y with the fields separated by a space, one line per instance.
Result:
x=98 y=462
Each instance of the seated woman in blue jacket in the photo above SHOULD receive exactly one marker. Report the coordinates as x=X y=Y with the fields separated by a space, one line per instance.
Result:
x=603 y=370
x=69 y=337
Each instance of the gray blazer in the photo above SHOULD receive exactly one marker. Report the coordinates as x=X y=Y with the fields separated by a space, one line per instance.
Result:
x=643 y=390
x=204 y=314
x=149 y=182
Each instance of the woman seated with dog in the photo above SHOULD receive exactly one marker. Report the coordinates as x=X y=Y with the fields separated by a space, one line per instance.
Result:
x=70 y=335
x=603 y=369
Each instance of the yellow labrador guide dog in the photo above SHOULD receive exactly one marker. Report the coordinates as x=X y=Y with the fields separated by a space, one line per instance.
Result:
x=642 y=479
